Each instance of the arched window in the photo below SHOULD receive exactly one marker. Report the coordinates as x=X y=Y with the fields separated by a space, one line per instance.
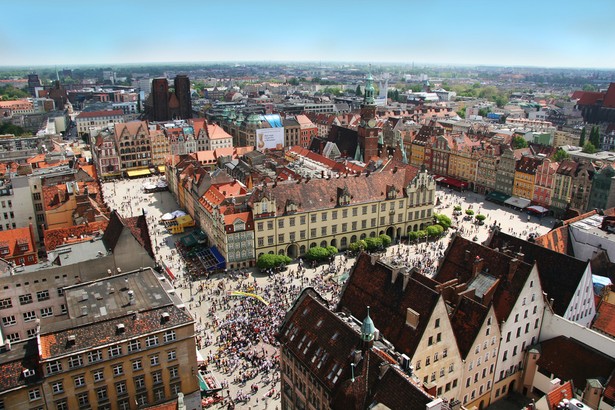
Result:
x=343 y=242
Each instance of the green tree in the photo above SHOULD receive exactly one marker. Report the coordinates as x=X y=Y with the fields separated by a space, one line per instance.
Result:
x=594 y=136
x=266 y=261
x=358 y=91
x=317 y=253
x=560 y=155
x=589 y=87
x=421 y=234
x=8 y=92
x=386 y=240
x=293 y=81
x=373 y=243
x=469 y=212
x=457 y=208
x=582 y=139
x=484 y=111
x=519 y=142
x=480 y=218
x=462 y=112
x=8 y=128
x=412 y=236
x=589 y=148
x=434 y=230
x=332 y=250
x=357 y=246
x=443 y=220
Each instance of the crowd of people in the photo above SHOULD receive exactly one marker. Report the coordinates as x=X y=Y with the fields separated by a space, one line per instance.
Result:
x=237 y=313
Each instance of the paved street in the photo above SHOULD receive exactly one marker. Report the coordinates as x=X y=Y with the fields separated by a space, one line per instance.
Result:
x=236 y=334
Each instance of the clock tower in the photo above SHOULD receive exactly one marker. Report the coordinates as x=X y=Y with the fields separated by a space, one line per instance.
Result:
x=367 y=131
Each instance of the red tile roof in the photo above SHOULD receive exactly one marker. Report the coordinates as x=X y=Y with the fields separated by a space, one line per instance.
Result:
x=371 y=284
x=18 y=242
x=609 y=97
x=555 y=396
x=589 y=98
x=605 y=319
x=73 y=234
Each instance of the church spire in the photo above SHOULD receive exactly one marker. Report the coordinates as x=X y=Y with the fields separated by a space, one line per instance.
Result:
x=368 y=98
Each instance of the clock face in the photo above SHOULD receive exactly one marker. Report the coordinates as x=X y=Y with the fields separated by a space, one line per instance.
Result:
x=371 y=123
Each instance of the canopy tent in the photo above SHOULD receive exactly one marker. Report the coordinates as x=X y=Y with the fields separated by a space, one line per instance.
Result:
x=516 y=202
x=178 y=213
x=138 y=172
x=497 y=197
x=167 y=217
x=537 y=209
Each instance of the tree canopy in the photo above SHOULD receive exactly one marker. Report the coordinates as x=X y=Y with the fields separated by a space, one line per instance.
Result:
x=560 y=155
x=519 y=142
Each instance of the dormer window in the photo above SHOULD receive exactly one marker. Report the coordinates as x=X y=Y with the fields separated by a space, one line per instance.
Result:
x=391 y=192
x=343 y=196
x=291 y=207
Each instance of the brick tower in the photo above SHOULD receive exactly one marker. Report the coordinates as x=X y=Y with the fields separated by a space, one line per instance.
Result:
x=368 y=133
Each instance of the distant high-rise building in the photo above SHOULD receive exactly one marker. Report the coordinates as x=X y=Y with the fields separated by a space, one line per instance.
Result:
x=160 y=99
x=33 y=82
x=182 y=92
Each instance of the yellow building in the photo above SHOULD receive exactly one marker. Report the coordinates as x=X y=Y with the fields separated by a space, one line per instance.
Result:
x=525 y=177
x=160 y=147
x=292 y=217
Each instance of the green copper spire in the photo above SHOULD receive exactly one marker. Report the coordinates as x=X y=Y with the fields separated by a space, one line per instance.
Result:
x=368 y=99
x=368 y=329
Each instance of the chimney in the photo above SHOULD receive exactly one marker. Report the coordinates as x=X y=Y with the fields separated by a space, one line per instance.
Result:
x=477 y=266
x=406 y=277
x=412 y=318
x=70 y=341
x=131 y=297
x=512 y=268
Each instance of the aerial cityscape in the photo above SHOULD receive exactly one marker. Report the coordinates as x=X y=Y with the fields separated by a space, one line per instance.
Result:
x=341 y=206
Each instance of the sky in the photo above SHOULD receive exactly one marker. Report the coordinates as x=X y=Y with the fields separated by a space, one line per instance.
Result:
x=505 y=33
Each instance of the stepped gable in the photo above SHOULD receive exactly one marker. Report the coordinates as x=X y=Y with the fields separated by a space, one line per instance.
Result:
x=389 y=298
x=581 y=362
x=559 y=273
x=467 y=320
x=458 y=264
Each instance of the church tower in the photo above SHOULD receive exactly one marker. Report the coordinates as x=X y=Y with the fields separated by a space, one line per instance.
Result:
x=367 y=131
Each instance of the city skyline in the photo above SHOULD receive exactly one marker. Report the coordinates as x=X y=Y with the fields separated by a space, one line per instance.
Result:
x=539 y=34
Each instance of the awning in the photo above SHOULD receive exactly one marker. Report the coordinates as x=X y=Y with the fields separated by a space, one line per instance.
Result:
x=538 y=209
x=517 y=202
x=450 y=181
x=495 y=196
x=162 y=168
x=138 y=172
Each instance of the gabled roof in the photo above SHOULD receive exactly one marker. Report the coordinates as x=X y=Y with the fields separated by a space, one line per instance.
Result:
x=14 y=239
x=458 y=264
x=132 y=127
x=609 y=97
x=569 y=359
x=371 y=284
x=559 y=273
x=137 y=226
x=467 y=320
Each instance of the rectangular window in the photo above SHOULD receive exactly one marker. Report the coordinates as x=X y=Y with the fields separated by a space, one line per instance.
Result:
x=157 y=376
x=151 y=341
x=313 y=218
x=120 y=388
x=118 y=369
x=159 y=394
x=75 y=361
x=6 y=303
x=9 y=321
x=46 y=312
x=153 y=360
x=79 y=381
x=137 y=364
x=42 y=295
x=171 y=355
x=101 y=393
x=174 y=372
x=98 y=375
x=25 y=299
x=134 y=345
x=34 y=394
x=139 y=382
x=29 y=316
x=57 y=387
x=94 y=356
x=169 y=336
x=54 y=367
x=324 y=216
